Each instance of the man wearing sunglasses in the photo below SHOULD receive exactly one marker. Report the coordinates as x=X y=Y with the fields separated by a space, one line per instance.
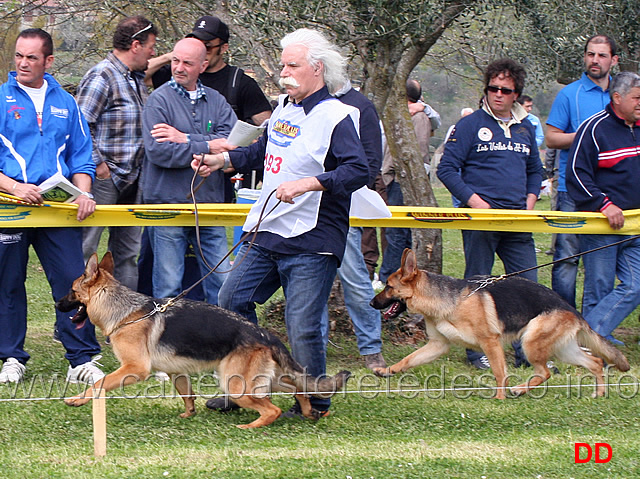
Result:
x=491 y=160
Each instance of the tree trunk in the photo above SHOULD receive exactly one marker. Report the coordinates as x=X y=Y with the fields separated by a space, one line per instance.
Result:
x=411 y=175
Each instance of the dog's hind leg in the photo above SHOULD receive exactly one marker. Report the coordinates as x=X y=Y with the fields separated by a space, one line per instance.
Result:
x=305 y=406
x=268 y=411
x=572 y=353
x=540 y=375
x=182 y=383
x=248 y=379
x=539 y=340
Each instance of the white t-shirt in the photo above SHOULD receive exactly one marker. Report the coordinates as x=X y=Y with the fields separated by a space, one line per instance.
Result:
x=37 y=97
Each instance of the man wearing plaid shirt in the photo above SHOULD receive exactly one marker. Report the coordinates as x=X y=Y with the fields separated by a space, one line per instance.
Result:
x=111 y=96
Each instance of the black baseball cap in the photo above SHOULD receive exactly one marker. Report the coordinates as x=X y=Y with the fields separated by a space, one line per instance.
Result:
x=208 y=27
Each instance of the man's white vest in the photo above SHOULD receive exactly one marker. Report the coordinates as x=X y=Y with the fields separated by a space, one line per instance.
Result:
x=297 y=147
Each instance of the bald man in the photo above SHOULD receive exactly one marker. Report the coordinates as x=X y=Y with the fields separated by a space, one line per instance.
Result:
x=183 y=118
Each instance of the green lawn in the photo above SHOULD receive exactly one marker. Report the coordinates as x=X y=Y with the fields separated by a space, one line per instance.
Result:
x=375 y=430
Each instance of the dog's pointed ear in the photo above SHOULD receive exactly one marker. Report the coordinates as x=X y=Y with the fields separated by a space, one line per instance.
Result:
x=409 y=263
x=404 y=255
x=107 y=262
x=92 y=266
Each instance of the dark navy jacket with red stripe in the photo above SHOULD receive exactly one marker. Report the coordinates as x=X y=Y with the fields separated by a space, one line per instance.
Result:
x=604 y=163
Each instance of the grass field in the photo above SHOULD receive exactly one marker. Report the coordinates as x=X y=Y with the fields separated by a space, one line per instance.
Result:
x=386 y=429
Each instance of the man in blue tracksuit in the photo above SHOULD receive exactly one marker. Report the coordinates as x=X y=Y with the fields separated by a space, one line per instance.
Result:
x=42 y=132
x=491 y=160
x=602 y=175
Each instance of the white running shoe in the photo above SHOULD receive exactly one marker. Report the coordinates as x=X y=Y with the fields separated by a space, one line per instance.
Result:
x=161 y=376
x=88 y=372
x=12 y=371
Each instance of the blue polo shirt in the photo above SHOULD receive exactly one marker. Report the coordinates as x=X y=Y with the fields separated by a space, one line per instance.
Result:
x=574 y=104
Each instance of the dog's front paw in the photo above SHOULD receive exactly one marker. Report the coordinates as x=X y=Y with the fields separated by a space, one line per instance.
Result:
x=517 y=391
x=77 y=401
x=383 y=372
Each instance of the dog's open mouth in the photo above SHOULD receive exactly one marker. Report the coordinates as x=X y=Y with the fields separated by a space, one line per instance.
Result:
x=396 y=308
x=80 y=317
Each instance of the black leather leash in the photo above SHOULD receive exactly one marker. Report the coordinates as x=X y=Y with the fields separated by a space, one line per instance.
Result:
x=484 y=282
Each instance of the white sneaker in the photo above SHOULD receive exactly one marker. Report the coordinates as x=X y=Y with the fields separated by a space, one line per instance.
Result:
x=161 y=376
x=12 y=371
x=88 y=372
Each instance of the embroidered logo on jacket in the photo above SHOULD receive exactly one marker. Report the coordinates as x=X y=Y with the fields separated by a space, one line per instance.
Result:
x=60 y=112
x=10 y=238
x=15 y=109
x=485 y=134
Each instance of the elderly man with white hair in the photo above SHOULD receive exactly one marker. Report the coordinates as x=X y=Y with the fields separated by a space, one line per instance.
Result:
x=313 y=161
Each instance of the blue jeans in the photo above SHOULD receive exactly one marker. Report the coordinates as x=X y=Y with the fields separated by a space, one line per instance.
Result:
x=397 y=238
x=603 y=306
x=358 y=293
x=563 y=274
x=124 y=241
x=169 y=244
x=145 y=269
x=306 y=280
x=517 y=252
x=60 y=253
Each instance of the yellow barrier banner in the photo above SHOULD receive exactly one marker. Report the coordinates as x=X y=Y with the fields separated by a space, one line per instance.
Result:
x=15 y=213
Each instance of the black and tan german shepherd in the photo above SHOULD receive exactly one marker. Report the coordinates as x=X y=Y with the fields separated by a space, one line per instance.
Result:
x=458 y=311
x=189 y=337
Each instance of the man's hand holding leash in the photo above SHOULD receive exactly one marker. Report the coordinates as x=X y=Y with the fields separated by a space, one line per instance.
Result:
x=206 y=164
x=289 y=190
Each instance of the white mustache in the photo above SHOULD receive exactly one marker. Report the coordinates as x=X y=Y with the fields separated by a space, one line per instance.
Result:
x=288 y=81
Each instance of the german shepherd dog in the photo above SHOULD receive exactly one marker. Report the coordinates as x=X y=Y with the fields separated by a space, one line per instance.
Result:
x=460 y=311
x=189 y=337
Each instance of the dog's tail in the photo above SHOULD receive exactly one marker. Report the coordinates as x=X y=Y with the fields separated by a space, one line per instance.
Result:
x=306 y=382
x=602 y=348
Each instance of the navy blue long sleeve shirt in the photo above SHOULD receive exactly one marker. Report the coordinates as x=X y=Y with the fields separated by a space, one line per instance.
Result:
x=604 y=163
x=480 y=157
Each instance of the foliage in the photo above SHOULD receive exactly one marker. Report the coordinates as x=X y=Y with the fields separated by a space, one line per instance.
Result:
x=386 y=40
x=389 y=38
x=561 y=32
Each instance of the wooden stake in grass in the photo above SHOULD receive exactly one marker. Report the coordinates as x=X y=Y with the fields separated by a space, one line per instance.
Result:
x=99 y=423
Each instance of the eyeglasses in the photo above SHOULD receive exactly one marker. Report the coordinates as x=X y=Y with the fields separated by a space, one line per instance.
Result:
x=496 y=89
x=148 y=27
x=210 y=47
